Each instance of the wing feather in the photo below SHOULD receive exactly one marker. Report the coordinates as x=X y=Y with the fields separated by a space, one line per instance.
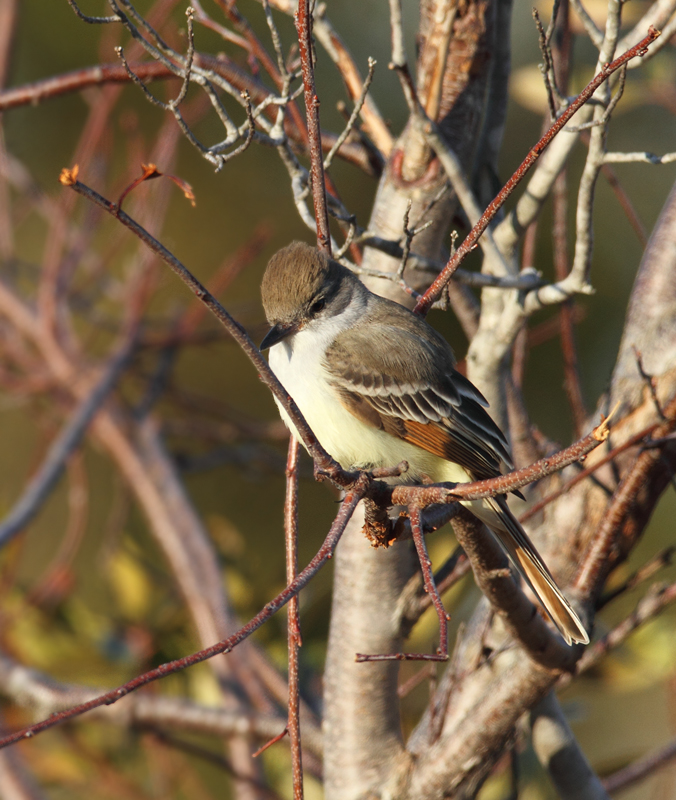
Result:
x=430 y=405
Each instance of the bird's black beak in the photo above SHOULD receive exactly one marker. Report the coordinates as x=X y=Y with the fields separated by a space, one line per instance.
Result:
x=277 y=333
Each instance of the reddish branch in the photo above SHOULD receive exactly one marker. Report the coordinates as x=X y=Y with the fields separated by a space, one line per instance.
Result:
x=632 y=441
x=428 y=581
x=293 y=620
x=324 y=553
x=434 y=292
x=304 y=28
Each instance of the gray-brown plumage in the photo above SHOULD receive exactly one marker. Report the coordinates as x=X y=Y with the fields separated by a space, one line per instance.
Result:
x=378 y=385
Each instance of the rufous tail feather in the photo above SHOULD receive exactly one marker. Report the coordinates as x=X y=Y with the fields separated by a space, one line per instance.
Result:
x=496 y=514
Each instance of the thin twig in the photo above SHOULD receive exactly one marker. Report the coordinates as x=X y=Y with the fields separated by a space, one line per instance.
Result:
x=428 y=580
x=441 y=654
x=547 y=67
x=189 y=56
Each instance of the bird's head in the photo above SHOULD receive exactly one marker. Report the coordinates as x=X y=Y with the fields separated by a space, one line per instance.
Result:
x=301 y=286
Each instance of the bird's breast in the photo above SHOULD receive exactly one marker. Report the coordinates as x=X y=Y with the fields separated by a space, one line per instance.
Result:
x=299 y=365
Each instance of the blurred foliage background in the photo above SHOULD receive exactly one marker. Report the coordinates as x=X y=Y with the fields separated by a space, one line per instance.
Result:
x=111 y=609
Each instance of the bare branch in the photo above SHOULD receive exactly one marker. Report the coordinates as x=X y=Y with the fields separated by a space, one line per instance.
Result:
x=429 y=495
x=189 y=56
x=554 y=98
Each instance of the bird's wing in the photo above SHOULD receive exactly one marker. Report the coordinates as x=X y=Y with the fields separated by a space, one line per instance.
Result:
x=403 y=382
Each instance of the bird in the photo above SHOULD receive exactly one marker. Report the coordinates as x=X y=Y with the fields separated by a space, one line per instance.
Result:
x=378 y=385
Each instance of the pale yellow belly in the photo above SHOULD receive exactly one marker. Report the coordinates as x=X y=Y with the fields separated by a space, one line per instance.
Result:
x=353 y=443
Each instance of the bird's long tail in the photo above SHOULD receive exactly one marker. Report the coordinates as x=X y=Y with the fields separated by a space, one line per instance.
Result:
x=496 y=514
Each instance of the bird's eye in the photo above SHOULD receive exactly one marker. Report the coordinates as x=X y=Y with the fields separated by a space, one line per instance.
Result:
x=317 y=306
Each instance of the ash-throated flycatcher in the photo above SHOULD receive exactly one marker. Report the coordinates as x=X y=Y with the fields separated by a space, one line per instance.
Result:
x=377 y=385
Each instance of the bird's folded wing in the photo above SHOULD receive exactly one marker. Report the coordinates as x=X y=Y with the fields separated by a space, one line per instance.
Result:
x=425 y=402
